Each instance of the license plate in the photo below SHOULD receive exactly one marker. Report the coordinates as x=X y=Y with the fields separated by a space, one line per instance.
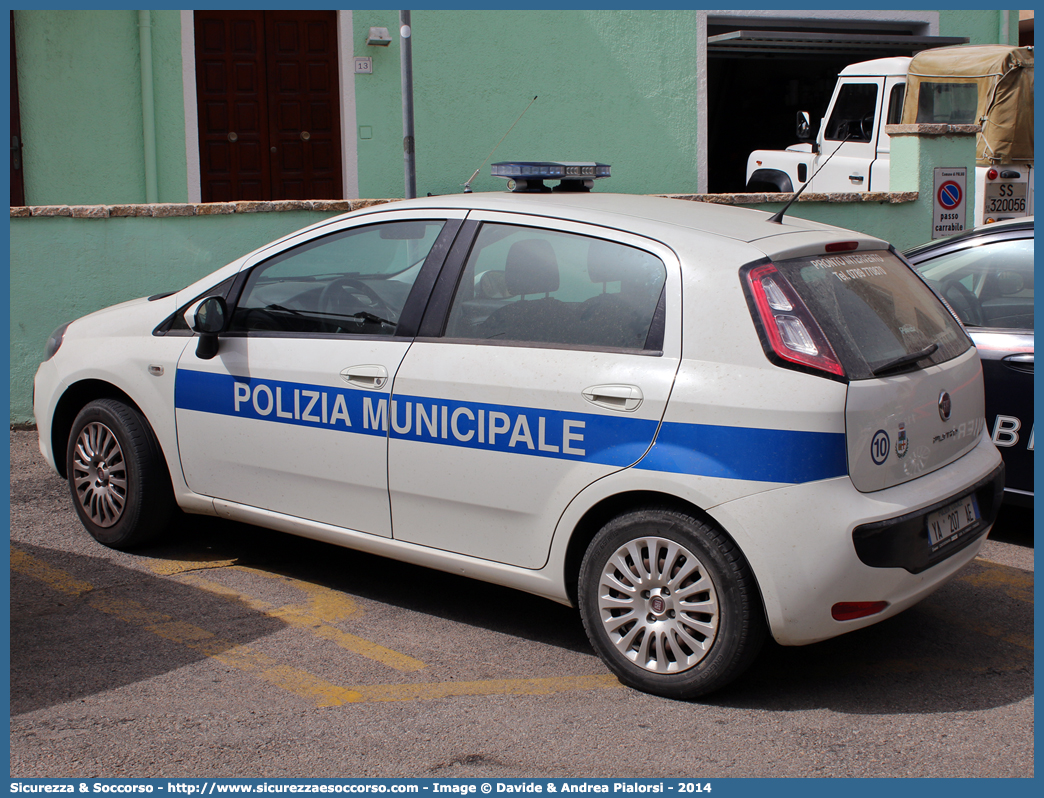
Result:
x=1005 y=197
x=951 y=520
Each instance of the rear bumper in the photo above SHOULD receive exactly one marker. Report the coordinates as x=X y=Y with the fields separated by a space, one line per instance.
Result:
x=903 y=542
x=800 y=543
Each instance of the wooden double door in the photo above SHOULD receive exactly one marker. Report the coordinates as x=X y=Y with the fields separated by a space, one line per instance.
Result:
x=267 y=89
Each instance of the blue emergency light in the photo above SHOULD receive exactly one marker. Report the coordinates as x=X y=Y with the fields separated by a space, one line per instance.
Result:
x=527 y=176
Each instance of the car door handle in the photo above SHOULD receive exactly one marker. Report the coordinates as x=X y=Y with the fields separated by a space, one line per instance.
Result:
x=1022 y=362
x=615 y=397
x=856 y=178
x=369 y=376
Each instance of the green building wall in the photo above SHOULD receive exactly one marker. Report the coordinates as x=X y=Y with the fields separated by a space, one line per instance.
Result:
x=605 y=91
x=616 y=86
x=79 y=86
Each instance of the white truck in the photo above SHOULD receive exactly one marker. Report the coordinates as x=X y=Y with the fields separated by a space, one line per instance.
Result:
x=987 y=85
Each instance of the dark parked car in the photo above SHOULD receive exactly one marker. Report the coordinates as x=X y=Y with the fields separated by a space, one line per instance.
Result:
x=986 y=276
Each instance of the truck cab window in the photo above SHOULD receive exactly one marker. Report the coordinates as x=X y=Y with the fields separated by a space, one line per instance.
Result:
x=856 y=104
x=895 y=104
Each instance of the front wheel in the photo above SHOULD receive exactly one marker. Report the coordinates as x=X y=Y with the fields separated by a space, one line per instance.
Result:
x=669 y=603
x=117 y=476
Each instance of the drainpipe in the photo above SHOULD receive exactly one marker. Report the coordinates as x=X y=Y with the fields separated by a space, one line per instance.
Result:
x=1004 y=25
x=148 y=108
x=408 y=149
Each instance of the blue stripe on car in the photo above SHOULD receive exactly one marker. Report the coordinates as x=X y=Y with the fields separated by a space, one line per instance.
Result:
x=763 y=455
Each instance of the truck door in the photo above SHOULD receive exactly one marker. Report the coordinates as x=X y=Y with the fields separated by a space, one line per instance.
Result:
x=853 y=124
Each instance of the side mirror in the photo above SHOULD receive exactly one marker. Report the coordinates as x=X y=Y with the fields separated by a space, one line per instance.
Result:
x=210 y=320
x=804 y=126
x=1010 y=283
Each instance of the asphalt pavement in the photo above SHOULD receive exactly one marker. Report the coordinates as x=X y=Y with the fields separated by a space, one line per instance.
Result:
x=232 y=651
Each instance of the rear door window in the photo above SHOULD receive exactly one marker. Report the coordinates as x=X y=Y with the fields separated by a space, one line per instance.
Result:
x=950 y=103
x=877 y=313
x=528 y=285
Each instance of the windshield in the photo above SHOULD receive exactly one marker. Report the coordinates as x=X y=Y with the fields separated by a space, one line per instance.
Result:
x=878 y=314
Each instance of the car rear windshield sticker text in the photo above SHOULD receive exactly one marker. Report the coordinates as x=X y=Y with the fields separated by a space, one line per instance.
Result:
x=852 y=267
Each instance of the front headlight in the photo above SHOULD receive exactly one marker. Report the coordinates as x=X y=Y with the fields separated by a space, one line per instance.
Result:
x=55 y=341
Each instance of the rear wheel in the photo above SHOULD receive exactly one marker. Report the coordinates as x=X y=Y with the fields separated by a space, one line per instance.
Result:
x=669 y=603
x=117 y=476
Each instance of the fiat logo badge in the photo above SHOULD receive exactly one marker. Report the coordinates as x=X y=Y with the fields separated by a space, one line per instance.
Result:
x=657 y=604
x=945 y=406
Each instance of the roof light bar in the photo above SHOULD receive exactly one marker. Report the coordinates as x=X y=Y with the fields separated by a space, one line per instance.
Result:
x=529 y=176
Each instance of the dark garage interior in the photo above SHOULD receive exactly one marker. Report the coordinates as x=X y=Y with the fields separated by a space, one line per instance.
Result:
x=758 y=79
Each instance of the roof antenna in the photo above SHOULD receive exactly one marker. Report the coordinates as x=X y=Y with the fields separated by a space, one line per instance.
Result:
x=777 y=217
x=467 y=185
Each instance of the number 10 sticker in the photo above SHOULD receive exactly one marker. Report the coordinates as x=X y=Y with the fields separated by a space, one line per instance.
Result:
x=879 y=447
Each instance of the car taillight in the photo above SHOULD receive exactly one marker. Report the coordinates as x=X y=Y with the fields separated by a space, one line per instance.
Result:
x=793 y=334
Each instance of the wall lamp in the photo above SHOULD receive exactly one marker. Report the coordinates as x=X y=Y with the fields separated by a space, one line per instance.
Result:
x=379 y=37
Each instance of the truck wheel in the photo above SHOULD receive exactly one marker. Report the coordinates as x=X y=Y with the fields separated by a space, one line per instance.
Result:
x=117 y=475
x=669 y=603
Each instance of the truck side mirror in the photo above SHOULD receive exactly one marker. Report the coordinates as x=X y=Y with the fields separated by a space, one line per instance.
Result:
x=804 y=126
x=210 y=321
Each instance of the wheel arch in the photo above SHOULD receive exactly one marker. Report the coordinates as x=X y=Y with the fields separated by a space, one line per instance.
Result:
x=772 y=178
x=74 y=399
x=599 y=514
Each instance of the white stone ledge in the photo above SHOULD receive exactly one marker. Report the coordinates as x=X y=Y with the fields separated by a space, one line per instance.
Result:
x=890 y=197
x=172 y=209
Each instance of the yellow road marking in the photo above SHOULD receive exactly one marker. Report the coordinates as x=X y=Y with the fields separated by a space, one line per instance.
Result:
x=175 y=567
x=312 y=617
x=294 y=680
x=324 y=606
x=981 y=627
x=41 y=571
x=1015 y=583
x=432 y=690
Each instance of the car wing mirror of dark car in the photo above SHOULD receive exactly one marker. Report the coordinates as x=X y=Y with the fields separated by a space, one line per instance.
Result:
x=1010 y=283
x=209 y=321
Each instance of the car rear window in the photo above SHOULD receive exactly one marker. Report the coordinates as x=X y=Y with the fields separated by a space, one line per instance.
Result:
x=876 y=312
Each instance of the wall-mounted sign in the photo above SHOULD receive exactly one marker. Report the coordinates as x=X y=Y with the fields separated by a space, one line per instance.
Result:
x=950 y=204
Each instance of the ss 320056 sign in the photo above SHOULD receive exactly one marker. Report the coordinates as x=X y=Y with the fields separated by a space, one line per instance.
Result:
x=950 y=208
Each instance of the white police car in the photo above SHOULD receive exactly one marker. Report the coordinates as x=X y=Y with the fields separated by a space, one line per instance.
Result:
x=691 y=421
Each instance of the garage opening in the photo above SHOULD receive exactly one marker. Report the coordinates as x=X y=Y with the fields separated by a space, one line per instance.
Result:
x=759 y=78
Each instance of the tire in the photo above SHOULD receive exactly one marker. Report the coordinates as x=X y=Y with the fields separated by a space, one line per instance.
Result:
x=117 y=475
x=683 y=628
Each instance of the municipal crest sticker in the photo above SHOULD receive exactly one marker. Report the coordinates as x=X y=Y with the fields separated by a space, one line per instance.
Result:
x=902 y=443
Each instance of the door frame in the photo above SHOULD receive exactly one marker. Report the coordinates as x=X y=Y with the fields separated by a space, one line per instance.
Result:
x=17 y=171
x=346 y=106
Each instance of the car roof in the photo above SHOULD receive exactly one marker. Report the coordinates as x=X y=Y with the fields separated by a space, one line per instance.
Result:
x=641 y=214
x=1007 y=228
x=898 y=65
